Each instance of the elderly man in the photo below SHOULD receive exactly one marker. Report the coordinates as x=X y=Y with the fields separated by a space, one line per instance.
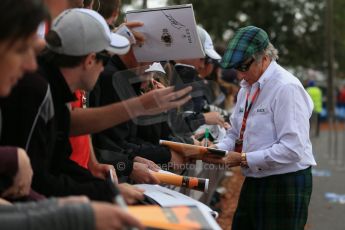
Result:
x=269 y=138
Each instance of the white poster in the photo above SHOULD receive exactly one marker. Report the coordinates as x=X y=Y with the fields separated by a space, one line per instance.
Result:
x=170 y=33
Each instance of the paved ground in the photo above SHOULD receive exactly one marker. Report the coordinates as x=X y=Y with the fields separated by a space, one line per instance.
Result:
x=325 y=215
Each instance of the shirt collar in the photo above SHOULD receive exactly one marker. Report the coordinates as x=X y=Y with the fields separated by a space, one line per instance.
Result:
x=268 y=74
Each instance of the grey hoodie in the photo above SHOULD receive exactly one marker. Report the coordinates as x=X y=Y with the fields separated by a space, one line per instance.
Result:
x=47 y=214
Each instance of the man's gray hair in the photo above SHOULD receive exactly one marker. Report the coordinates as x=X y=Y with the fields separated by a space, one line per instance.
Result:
x=270 y=51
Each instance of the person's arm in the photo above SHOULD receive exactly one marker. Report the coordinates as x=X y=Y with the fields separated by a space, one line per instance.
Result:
x=228 y=142
x=112 y=145
x=65 y=184
x=56 y=215
x=8 y=162
x=46 y=215
x=97 y=169
x=154 y=152
x=15 y=164
x=141 y=174
x=92 y=120
x=214 y=118
x=69 y=178
x=122 y=162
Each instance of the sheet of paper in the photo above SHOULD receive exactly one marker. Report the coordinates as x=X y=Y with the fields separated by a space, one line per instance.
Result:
x=168 y=198
x=166 y=172
x=170 y=33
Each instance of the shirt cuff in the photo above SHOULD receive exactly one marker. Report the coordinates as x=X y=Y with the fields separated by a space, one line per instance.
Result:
x=256 y=161
x=224 y=146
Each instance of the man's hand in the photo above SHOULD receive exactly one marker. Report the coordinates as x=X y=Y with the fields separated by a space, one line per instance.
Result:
x=227 y=125
x=130 y=193
x=72 y=200
x=232 y=159
x=109 y=216
x=4 y=202
x=195 y=141
x=158 y=101
x=152 y=165
x=141 y=174
x=97 y=169
x=139 y=37
x=214 y=118
x=22 y=180
x=177 y=160
x=207 y=143
x=157 y=84
x=102 y=170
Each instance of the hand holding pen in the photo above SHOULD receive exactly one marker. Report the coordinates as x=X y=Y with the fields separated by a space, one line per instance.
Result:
x=118 y=199
x=206 y=136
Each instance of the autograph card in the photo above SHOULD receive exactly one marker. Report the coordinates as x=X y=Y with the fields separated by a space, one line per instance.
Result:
x=170 y=33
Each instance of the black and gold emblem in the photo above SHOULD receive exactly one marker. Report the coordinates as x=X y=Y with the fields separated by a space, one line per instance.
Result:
x=166 y=37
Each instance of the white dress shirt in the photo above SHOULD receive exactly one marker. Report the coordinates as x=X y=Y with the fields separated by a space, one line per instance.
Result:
x=276 y=138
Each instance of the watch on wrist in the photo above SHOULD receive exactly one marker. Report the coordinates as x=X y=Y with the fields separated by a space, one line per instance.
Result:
x=244 y=162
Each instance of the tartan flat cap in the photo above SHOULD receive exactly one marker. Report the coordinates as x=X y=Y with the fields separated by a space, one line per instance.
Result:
x=246 y=42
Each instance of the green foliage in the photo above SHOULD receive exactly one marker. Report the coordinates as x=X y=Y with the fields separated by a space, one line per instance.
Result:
x=339 y=35
x=296 y=27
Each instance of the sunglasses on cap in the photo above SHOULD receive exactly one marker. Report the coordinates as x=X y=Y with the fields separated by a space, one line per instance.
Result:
x=244 y=67
x=103 y=57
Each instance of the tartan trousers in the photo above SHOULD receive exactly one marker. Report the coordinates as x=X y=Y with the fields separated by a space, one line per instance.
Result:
x=278 y=202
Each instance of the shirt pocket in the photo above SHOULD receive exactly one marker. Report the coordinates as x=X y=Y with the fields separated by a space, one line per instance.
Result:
x=260 y=122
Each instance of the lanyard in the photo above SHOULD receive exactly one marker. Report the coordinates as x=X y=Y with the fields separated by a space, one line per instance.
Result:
x=247 y=108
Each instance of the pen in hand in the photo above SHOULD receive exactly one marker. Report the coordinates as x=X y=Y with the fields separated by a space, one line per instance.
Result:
x=207 y=133
x=118 y=199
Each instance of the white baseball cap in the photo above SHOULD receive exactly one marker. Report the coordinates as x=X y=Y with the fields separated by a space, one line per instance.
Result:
x=207 y=44
x=155 y=67
x=84 y=31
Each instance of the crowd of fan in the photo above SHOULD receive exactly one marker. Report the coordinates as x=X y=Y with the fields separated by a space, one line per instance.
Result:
x=64 y=123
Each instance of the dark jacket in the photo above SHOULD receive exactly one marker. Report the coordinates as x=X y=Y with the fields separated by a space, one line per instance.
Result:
x=48 y=214
x=37 y=119
x=191 y=115
x=121 y=138
x=8 y=166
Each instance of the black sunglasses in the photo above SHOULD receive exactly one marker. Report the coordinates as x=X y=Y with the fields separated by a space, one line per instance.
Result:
x=244 y=67
x=103 y=56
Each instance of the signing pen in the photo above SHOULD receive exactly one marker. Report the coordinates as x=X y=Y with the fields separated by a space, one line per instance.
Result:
x=207 y=133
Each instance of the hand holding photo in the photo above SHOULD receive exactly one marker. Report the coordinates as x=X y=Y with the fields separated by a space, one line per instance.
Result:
x=194 y=151
x=170 y=33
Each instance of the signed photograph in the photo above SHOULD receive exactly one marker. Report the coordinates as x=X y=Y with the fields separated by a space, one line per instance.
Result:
x=170 y=33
